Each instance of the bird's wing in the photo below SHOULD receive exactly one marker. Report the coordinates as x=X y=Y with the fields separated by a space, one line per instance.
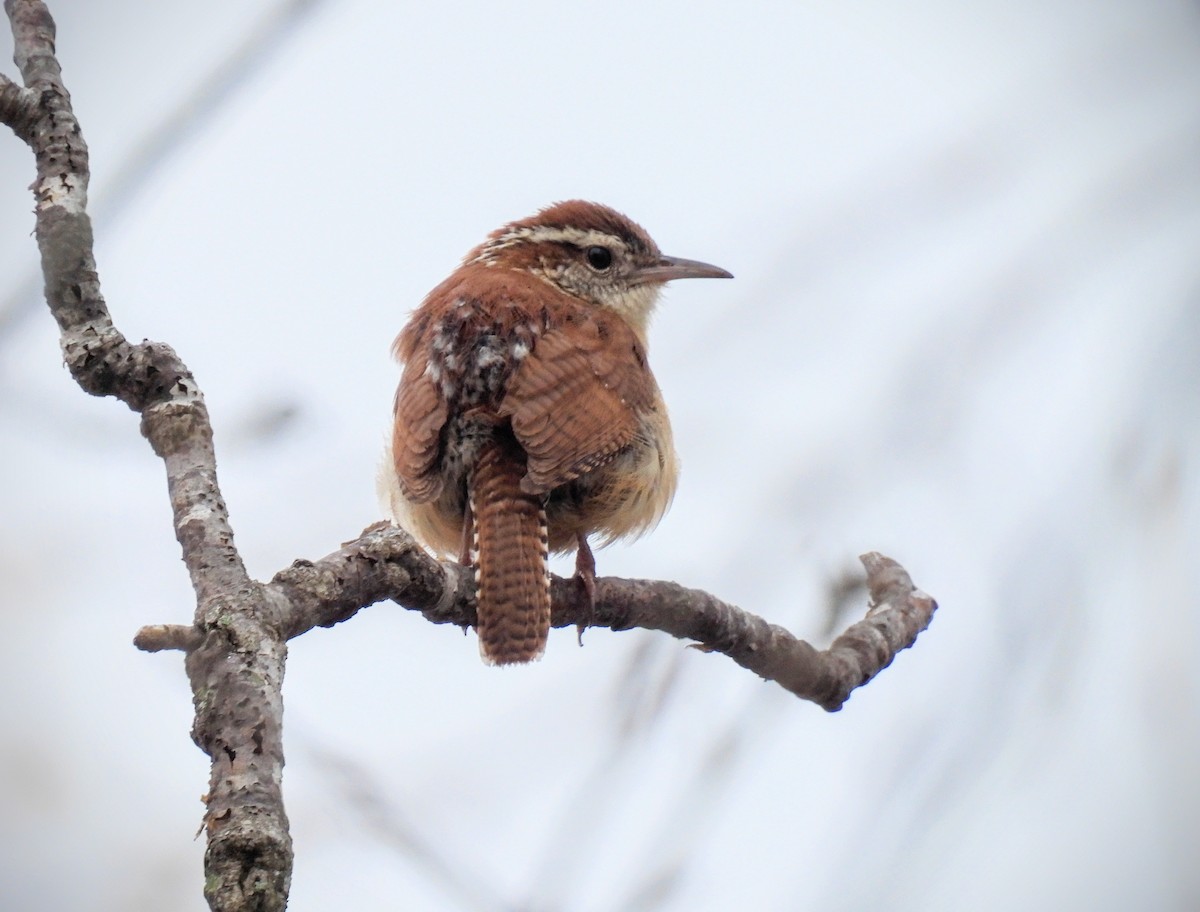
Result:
x=420 y=415
x=577 y=398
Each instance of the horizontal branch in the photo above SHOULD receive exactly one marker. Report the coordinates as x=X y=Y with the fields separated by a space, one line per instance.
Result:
x=161 y=637
x=386 y=563
x=896 y=616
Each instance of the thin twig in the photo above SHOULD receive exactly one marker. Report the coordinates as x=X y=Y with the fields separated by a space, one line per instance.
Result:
x=178 y=126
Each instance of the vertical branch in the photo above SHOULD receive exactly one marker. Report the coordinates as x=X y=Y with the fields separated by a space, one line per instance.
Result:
x=236 y=673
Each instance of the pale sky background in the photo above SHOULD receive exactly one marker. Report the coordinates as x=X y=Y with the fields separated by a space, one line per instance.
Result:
x=964 y=332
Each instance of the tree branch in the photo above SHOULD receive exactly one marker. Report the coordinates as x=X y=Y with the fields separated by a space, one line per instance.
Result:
x=18 y=108
x=385 y=563
x=236 y=645
x=236 y=671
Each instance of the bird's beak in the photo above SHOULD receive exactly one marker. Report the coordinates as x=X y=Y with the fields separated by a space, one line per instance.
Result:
x=669 y=267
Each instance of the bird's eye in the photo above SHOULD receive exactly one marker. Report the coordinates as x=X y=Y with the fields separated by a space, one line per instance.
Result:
x=599 y=258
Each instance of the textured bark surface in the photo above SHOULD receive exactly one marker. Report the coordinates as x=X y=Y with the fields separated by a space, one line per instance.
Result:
x=236 y=665
x=236 y=645
x=385 y=563
x=18 y=108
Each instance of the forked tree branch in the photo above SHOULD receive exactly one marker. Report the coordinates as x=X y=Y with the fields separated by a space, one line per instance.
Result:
x=236 y=669
x=385 y=563
x=236 y=645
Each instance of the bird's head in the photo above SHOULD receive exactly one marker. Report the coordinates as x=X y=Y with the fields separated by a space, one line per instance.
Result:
x=592 y=253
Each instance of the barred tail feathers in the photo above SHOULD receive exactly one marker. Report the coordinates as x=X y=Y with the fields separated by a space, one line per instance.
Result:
x=511 y=547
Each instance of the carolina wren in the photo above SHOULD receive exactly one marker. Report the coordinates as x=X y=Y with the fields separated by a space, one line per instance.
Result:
x=527 y=418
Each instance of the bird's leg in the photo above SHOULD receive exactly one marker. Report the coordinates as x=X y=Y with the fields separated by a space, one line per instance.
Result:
x=467 y=546
x=585 y=572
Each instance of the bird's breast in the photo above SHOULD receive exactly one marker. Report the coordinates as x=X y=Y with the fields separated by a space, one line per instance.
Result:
x=626 y=497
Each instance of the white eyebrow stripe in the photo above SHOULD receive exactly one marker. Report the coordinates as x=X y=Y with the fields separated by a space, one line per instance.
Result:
x=539 y=234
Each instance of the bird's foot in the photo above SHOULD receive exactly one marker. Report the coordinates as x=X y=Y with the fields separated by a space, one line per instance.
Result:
x=585 y=573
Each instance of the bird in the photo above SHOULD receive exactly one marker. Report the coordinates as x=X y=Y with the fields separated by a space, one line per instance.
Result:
x=527 y=419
